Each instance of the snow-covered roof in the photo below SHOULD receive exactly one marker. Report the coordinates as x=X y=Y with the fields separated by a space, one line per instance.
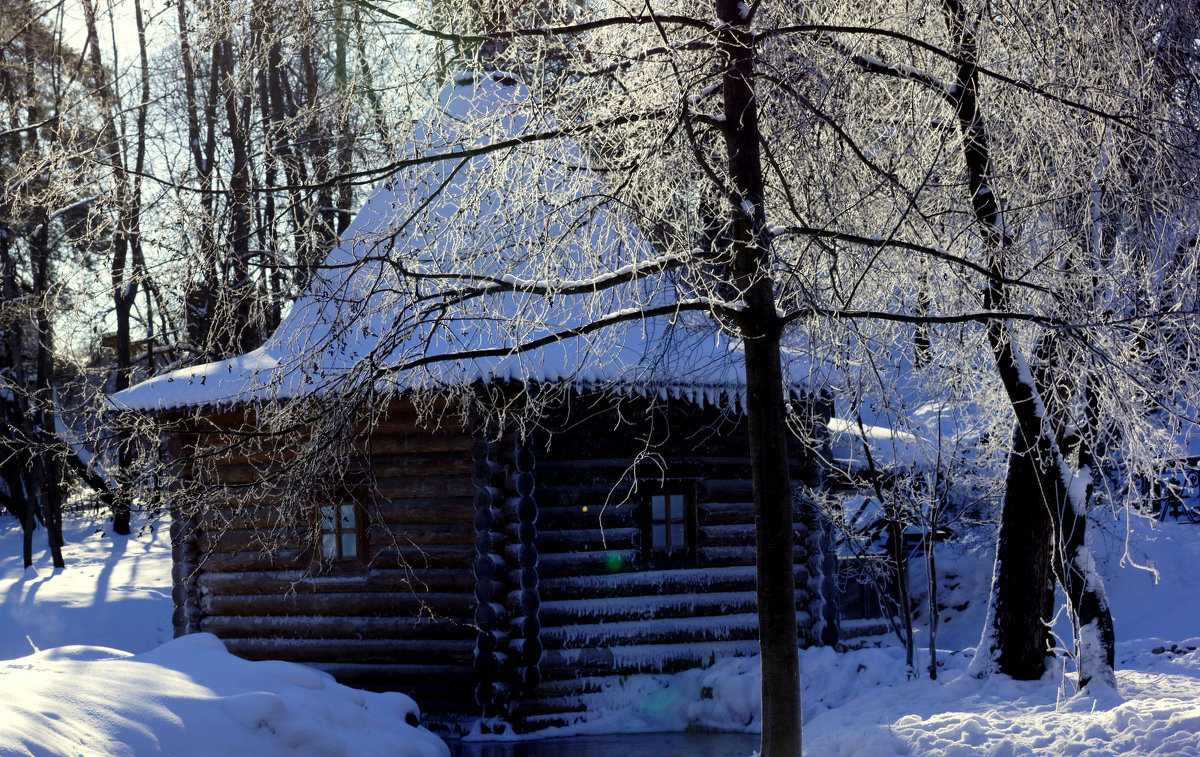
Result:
x=524 y=214
x=891 y=450
x=910 y=419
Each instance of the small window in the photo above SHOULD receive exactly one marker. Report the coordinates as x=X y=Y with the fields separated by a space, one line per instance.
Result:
x=339 y=532
x=669 y=524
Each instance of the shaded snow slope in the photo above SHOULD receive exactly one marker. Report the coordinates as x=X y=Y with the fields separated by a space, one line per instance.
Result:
x=114 y=592
x=192 y=698
x=82 y=695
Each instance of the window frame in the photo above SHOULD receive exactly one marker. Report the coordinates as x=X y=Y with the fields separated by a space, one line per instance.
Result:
x=667 y=556
x=358 y=529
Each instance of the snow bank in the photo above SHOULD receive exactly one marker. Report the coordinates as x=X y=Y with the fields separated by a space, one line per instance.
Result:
x=859 y=704
x=191 y=697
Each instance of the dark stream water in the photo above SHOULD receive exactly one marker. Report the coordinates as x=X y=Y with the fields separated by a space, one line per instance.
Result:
x=623 y=745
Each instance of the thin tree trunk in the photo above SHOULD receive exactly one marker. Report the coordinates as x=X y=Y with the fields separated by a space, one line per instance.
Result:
x=241 y=337
x=47 y=469
x=21 y=504
x=1095 y=642
x=124 y=284
x=931 y=591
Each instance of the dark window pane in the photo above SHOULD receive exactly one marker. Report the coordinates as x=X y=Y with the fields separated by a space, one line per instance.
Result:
x=677 y=539
x=658 y=507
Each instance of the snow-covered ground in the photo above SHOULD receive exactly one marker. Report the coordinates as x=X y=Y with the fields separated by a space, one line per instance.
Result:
x=81 y=696
x=104 y=683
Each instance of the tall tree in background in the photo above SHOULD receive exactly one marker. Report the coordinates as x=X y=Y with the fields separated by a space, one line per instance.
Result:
x=43 y=215
x=275 y=128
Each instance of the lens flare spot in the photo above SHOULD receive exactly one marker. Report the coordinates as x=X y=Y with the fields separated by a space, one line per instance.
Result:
x=614 y=561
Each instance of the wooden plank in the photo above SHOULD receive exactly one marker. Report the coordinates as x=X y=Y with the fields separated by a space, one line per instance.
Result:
x=647 y=658
x=284 y=559
x=568 y=612
x=735 y=535
x=389 y=443
x=593 y=496
x=609 y=471
x=249 y=515
x=394 y=672
x=432 y=510
x=681 y=630
x=552 y=517
x=728 y=490
x=424 y=487
x=424 y=558
x=725 y=513
x=411 y=465
x=256 y=540
x=353 y=650
x=420 y=534
x=304 y=582
x=584 y=540
x=331 y=627
x=648 y=583
x=404 y=604
x=575 y=563
x=525 y=708
x=405 y=420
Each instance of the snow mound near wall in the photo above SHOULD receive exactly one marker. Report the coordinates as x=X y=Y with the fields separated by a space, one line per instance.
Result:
x=190 y=698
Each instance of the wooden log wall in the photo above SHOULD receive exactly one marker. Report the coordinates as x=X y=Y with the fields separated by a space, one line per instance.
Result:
x=604 y=611
x=502 y=575
x=400 y=618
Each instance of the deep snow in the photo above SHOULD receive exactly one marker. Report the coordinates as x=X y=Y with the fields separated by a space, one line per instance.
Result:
x=189 y=697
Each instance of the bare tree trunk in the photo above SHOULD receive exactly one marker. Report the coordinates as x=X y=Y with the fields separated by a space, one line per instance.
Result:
x=1023 y=584
x=1038 y=495
x=931 y=591
x=1095 y=642
x=765 y=402
x=242 y=337
x=125 y=235
x=47 y=469
x=202 y=142
x=899 y=557
x=15 y=467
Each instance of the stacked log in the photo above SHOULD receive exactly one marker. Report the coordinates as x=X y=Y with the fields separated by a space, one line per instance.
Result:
x=491 y=640
x=526 y=645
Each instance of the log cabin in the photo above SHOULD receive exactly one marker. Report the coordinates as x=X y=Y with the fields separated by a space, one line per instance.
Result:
x=491 y=563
